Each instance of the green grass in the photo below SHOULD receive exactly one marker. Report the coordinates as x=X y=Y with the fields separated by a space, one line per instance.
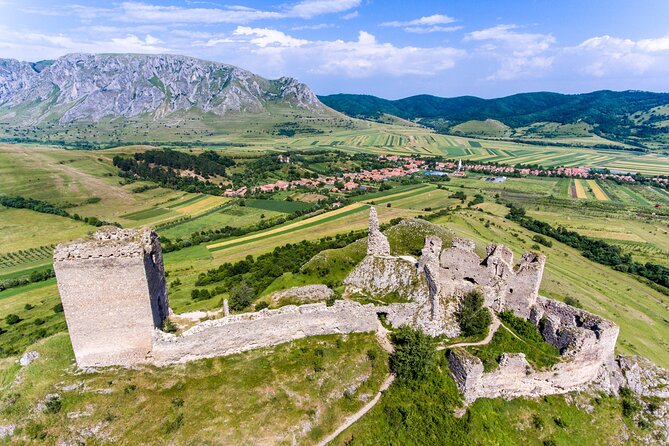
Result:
x=261 y=397
x=146 y=214
x=422 y=413
x=287 y=207
x=539 y=354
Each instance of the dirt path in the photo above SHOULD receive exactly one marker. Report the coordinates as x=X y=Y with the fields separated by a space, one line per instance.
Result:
x=493 y=329
x=382 y=337
x=359 y=414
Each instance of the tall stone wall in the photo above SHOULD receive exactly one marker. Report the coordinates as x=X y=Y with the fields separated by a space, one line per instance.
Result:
x=504 y=287
x=112 y=287
x=242 y=332
x=586 y=342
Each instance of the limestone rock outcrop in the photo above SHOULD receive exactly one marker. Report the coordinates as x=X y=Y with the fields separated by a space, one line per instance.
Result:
x=377 y=243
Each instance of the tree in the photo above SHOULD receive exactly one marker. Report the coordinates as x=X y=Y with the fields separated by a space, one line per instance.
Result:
x=12 y=319
x=415 y=354
x=473 y=317
x=241 y=296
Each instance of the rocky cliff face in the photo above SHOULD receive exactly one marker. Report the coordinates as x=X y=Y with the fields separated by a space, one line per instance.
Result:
x=89 y=87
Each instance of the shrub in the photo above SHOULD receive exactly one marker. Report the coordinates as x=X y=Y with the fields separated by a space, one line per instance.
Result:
x=473 y=317
x=261 y=305
x=12 y=319
x=52 y=405
x=169 y=326
x=573 y=302
x=241 y=296
x=58 y=308
x=543 y=240
x=415 y=354
x=28 y=307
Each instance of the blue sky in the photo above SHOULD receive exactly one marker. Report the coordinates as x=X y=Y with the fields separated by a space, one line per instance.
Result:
x=386 y=48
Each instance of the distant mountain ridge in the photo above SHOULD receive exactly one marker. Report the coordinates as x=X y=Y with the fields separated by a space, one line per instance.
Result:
x=89 y=87
x=631 y=116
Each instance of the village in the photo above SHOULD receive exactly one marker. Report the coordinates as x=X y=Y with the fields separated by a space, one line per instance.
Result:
x=350 y=181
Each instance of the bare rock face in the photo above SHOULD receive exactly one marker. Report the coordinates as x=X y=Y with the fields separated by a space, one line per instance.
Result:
x=380 y=276
x=377 y=243
x=89 y=87
x=649 y=385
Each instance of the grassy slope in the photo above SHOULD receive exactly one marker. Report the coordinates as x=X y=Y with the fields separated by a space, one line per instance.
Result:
x=269 y=396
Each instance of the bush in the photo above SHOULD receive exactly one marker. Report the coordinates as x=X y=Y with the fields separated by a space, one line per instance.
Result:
x=169 y=326
x=12 y=319
x=473 y=317
x=573 y=302
x=261 y=305
x=52 y=405
x=58 y=308
x=241 y=296
x=415 y=354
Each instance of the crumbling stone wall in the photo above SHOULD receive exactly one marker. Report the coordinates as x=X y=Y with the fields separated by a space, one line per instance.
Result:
x=587 y=345
x=503 y=287
x=248 y=331
x=112 y=287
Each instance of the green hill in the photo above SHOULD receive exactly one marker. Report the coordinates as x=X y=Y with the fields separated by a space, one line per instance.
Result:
x=631 y=116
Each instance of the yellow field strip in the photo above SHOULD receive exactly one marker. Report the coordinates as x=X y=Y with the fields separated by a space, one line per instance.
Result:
x=597 y=191
x=202 y=205
x=295 y=225
x=580 y=190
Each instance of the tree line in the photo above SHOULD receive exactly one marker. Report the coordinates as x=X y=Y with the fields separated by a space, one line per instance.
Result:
x=45 y=207
x=596 y=250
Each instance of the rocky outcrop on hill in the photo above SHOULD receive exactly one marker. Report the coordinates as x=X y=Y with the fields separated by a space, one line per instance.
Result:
x=90 y=87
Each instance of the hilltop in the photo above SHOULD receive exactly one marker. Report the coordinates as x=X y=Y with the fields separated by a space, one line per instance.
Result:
x=635 y=117
x=96 y=96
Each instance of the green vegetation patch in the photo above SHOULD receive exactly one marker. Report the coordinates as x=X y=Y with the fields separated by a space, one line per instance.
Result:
x=259 y=397
x=287 y=207
x=517 y=335
x=146 y=214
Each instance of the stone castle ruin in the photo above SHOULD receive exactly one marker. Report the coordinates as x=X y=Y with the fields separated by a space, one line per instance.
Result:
x=113 y=292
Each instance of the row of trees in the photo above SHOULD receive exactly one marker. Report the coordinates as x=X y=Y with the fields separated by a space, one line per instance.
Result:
x=35 y=276
x=45 y=207
x=258 y=273
x=596 y=250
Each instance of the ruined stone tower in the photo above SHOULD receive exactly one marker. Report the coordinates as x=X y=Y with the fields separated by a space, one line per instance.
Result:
x=377 y=243
x=113 y=291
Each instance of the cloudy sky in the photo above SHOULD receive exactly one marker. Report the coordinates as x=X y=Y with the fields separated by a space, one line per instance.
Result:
x=388 y=48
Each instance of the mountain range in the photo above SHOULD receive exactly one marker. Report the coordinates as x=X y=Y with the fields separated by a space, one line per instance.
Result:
x=629 y=116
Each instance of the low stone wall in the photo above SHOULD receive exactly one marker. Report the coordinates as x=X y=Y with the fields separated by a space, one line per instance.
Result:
x=243 y=332
x=587 y=345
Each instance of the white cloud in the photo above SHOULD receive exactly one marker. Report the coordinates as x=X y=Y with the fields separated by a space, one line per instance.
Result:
x=431 y=29
x=313 y=27
x=307 y=9
x=435 y=19
x=604 y=55
x=350 y=15
x=45 y=46
x=364 y=57
x=264 y=37
x=520 y=54
x=150 y=13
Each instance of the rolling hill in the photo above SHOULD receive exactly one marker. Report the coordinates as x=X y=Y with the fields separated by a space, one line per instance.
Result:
x=635 y=117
